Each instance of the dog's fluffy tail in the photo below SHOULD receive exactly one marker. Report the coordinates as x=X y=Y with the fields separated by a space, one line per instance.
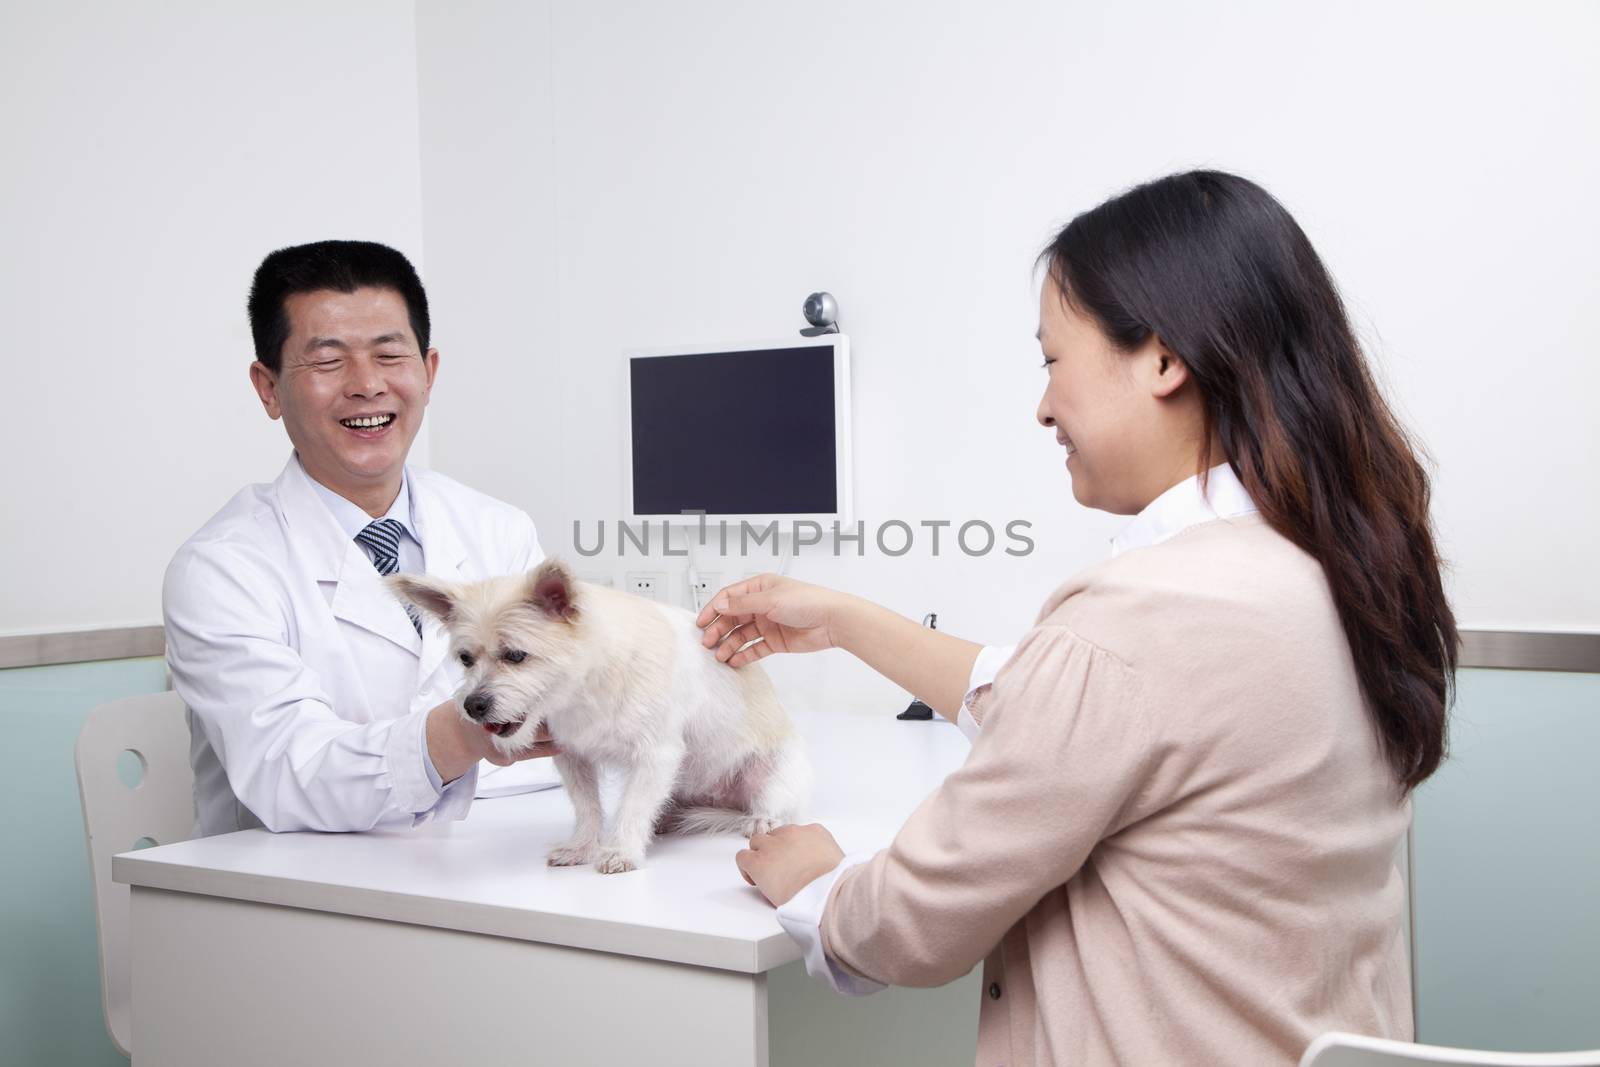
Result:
x=704 y=820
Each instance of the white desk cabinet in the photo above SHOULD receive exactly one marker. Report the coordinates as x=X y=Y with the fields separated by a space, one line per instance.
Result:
x=456 y=944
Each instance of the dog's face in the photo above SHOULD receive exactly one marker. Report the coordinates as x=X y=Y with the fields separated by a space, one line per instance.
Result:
x=515 y=637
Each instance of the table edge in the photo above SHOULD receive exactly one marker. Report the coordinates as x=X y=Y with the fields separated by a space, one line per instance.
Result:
x=521 y=924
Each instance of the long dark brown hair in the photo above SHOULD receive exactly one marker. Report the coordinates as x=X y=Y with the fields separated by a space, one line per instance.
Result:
x=1215 y=268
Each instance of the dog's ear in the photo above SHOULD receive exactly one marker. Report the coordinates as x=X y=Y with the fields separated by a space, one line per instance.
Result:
x=429 y=594
x=551 y=590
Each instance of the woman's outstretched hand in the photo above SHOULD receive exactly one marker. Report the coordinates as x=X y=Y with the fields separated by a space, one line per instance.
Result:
x=765 y=614
x=778 y=614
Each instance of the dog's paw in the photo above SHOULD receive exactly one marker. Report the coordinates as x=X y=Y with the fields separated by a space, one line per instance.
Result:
x=754 y=826
x=573 y=854
x=615 y=861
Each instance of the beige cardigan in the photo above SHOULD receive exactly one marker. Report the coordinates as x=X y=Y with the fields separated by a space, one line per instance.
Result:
x=1175 y=838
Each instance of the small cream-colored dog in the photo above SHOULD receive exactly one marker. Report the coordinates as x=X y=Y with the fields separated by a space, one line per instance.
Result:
x=621 y=683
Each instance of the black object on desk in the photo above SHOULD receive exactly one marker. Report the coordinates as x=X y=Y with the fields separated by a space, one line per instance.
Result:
x=916 y=710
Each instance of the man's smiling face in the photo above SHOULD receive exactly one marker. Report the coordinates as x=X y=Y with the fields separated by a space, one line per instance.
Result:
x=351 y=390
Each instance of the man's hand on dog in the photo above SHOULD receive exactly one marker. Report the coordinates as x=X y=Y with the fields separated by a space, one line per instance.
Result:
x=782 y=863
x=455 y=744
x=543 y=745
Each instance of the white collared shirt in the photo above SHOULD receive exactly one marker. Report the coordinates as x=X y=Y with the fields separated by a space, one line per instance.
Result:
x=1185 y=505
x=352 y=520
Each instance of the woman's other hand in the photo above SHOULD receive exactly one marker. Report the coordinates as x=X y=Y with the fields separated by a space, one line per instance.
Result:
x=779 y=614
x=782 y=863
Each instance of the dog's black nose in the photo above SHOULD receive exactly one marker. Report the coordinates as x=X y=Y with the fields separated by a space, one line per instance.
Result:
x=477 y=705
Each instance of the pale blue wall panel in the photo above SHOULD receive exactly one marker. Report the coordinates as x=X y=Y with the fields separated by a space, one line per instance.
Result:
x=809 y=1024
x=1507 y=862
x=50 y=1012
x=1507 y=868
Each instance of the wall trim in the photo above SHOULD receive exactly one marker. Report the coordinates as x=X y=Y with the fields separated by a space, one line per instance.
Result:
x=1523 y=650
x=1520 y=650
x=81 y=646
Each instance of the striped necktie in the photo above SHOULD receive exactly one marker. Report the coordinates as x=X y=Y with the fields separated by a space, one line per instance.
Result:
x=381 y=539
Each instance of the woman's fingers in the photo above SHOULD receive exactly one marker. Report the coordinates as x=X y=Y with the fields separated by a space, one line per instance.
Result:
x=746 y=604
x=743 y=861
x=720 y=617
x=750 y=653
x=709 y=613
x=731 y=648
x=730 y=640
x=719 y=629
x=733 y=589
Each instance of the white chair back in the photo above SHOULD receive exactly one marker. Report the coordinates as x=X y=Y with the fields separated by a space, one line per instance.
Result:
x=1351 y=1050
x=137 y=790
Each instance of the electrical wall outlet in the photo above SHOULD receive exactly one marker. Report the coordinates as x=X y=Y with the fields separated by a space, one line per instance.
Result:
x=700 y=590
x=651 y=585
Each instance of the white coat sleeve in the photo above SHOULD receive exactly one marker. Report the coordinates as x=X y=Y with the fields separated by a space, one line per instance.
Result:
x=801 y=919
x=289 y=758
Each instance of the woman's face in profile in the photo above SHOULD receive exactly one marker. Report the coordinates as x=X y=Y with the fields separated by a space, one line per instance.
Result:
x=1097 y=405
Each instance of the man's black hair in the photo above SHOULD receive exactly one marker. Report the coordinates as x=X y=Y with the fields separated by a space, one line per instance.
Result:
x=343 y=266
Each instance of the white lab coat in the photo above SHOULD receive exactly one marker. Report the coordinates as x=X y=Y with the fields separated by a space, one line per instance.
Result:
x=306 y=684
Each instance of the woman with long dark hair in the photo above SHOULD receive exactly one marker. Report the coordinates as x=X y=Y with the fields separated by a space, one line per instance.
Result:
x=1175 y=839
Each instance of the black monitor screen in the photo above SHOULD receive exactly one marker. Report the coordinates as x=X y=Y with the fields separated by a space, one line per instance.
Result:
x=734 y=433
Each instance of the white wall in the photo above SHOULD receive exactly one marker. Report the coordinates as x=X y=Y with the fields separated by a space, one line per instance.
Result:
x=598 y=177
x=154 y=153
x=610 y=176
x=489 y=193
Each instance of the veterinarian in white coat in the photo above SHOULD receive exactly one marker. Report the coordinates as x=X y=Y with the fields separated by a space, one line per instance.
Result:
x=315 y=702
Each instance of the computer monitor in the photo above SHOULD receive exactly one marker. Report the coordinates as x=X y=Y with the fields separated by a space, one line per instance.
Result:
x=751 y=432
